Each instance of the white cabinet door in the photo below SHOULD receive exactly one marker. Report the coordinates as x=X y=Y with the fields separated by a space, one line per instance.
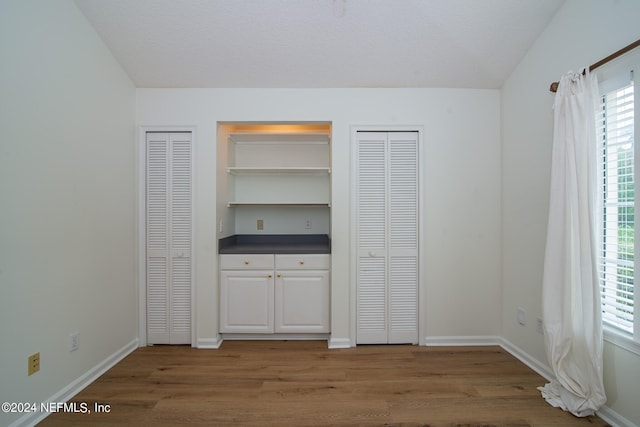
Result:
x=387 y=237
x=246 y=301
x=302 y=301
x=168 y=237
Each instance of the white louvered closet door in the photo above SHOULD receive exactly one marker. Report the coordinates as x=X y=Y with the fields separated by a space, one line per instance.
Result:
x=168 y=237
x=387 y=237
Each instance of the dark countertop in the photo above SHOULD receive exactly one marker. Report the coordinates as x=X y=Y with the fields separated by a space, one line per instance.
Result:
x=275 y=244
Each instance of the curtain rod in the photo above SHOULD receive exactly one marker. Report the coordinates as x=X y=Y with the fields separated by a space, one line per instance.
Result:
x=635 y=44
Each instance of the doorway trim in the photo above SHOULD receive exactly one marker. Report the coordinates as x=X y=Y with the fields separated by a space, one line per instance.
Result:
x=141 y=271
x=353 y=224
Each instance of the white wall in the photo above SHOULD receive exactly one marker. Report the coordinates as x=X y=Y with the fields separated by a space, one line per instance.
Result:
x=462 y=168
x=67 y=187
x=581 y=33
x=67 y=195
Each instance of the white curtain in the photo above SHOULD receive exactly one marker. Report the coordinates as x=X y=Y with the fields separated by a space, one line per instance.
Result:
x=570 y=291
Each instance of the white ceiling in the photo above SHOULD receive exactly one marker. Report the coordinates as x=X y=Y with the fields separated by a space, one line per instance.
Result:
x=319 y=43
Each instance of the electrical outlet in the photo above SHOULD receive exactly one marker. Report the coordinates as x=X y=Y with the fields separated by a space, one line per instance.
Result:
x=260 y=224
x=539 y=327
x=74 y=341
x=33 y=363
x=307 y=224
x=521 y=316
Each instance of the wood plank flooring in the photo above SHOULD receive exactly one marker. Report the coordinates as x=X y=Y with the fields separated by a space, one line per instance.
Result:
x=302 y=383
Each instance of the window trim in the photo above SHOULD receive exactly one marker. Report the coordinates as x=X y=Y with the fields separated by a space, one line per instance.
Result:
x=620 y=338
x=613 y=197
x=609 y=77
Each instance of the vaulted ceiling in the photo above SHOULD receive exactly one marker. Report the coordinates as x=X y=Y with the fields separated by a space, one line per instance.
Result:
x=319 y=43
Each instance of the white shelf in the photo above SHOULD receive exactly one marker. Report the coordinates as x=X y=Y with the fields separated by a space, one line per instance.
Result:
x=278 y=170
x=279 y=138
x=301 y=204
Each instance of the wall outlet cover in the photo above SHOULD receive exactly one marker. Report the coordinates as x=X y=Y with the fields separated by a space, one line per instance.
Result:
x=74 y=341
x=33 y=363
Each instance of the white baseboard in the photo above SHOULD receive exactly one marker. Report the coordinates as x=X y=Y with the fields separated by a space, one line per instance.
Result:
x=339 y=343
x=209 y=343
x=614 y=418
x=541 y=368
x=275 y=337
x=78 y=385
x=456 y=341
x=512 y=349
x=606 y=413
x=215 y=343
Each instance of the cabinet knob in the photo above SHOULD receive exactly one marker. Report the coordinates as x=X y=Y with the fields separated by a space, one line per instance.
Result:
x=246 y=263
x=301 y=261
x=279 y=275
x=270 y=276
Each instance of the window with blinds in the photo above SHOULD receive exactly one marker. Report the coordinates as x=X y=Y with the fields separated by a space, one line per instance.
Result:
x=615 y=123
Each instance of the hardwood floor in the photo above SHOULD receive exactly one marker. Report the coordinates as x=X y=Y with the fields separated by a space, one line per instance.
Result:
x=302 y=383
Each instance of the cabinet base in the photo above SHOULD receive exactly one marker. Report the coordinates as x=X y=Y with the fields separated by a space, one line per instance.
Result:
x=276 y=337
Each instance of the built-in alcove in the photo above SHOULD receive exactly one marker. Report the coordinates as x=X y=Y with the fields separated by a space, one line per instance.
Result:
x=274 y=178
x=273 y=215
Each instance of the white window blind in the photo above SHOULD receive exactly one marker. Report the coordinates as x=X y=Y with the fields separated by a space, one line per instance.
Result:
x=615 y=123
